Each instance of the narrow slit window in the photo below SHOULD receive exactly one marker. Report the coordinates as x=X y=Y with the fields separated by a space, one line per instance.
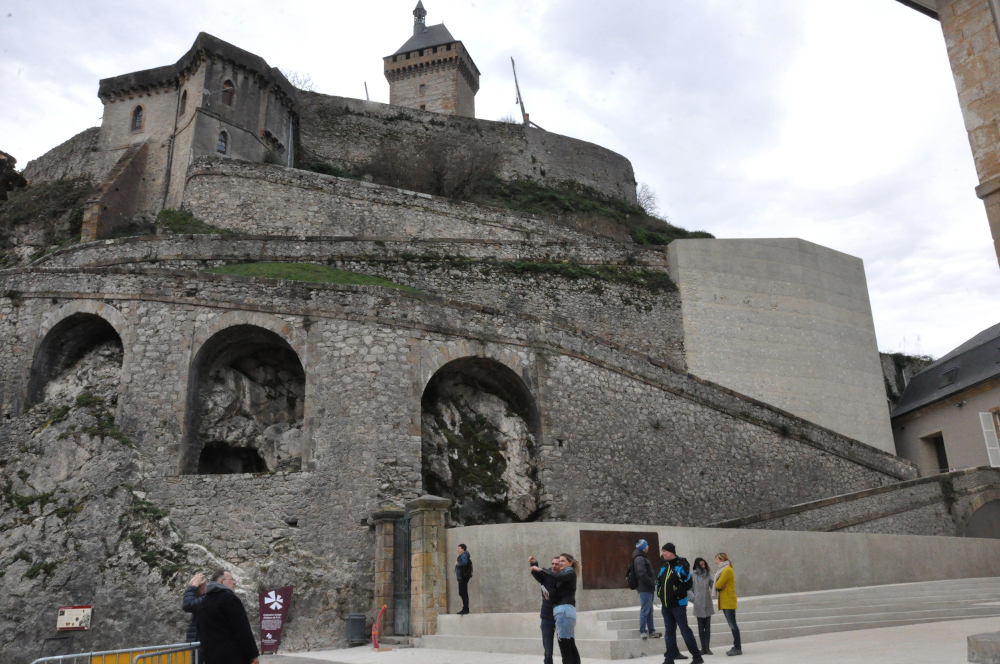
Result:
x=228 y=93
x=137 y=119
x=184 y=102
x=222 y=144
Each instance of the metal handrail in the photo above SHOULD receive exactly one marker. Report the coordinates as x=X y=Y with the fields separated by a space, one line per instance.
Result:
x=89 y=657
x=175 y=659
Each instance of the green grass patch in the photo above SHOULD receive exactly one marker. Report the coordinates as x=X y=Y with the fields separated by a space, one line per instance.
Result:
x=310 y=272
x=40 y=568
x=183 y=222
x=23 y=555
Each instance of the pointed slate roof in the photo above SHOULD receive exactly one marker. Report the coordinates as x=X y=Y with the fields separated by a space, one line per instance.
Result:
x=432 y=35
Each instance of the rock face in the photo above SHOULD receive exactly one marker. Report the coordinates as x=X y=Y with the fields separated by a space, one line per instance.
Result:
x=251 y=418
x=9 y=178
x=480 y=453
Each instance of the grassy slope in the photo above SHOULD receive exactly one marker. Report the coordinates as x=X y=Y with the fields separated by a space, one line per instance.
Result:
x=306 y=272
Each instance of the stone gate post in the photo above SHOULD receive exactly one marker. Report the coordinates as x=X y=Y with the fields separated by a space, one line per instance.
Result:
x=429 y=585
x=385 y=526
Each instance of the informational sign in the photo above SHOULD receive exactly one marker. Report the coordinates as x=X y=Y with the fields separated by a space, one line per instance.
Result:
x=73 y=618
x=607 y=555
x=273 y=607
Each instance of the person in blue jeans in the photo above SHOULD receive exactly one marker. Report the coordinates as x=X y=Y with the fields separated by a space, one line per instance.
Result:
x=548 y=620
x=646 y=577
x=563 y=597
x=672 y=586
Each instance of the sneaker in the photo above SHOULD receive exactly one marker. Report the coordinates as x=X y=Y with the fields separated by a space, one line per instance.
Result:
x=706 y=651
x=643 y=636
x=734 y=651
x=656 y=635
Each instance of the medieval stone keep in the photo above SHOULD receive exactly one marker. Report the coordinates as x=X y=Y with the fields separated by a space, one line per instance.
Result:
x=272 y=352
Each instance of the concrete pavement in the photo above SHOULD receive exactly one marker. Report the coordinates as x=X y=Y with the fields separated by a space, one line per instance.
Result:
x=934 y=643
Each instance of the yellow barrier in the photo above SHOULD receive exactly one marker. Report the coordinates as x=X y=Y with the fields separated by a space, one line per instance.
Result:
x=127 y=657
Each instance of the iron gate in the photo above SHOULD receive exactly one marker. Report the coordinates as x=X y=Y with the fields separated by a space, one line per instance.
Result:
x=401 y=576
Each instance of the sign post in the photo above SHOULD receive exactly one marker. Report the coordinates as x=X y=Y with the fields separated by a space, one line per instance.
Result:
x=273 y=607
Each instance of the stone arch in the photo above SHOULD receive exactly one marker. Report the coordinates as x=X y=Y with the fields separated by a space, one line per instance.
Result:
x=981 y=518
x=66 y=335
x=245 y=397
x=480 y=439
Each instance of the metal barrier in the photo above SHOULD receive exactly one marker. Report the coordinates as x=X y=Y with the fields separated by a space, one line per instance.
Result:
x=126 y=656
x=186 y=655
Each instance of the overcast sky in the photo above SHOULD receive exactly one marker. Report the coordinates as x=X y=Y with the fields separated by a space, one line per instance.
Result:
x=833 y=121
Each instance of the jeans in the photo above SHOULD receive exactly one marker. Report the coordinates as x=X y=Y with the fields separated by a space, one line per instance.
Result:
x=565 y=615
x=646 y=613
x=463 y=592
x=548 y=637
x=675 y=617
x=704 y=632
x=731 y=619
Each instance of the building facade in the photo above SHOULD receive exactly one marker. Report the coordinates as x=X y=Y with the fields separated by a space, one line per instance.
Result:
x=432 y=71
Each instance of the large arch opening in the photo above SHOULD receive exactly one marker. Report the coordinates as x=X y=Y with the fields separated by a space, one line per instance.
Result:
x=246 y=394
x=81 y=353
x=480 y=430
x=985 y=521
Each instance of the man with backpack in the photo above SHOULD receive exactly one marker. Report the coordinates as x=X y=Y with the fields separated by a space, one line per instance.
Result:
x=672 y=586
x=463 y=572
x=642 y=578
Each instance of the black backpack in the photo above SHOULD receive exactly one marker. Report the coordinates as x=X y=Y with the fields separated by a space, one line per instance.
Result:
x=631 y=578
x=467 y=572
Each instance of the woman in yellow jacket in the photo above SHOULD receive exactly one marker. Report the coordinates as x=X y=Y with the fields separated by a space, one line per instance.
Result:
x=725 y=585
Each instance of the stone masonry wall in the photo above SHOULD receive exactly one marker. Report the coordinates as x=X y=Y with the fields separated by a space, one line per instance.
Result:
x=76 y=158
x=347 y=132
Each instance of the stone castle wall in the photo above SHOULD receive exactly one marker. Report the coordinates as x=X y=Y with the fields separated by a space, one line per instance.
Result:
x=347 y=132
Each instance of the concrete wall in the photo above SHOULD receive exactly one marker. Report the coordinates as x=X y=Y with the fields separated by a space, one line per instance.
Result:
x=788 y=322
x=959 y=427
x=766 y=562
x=347 y=132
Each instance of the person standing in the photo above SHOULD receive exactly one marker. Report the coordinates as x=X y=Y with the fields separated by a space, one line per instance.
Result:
x=193 y=594
x=223 y=626
x=672 y=586
x=725 y=583
x=645 y=576
x=564 y=605
x=463 y=572
x=702 y=585
x=548 y=620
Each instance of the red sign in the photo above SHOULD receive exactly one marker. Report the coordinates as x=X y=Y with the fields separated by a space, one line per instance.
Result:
x=273 y=607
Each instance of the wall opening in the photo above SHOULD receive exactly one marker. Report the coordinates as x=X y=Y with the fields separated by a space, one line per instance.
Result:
x=934 y=456
x=985 y=522
x=246 y=392
x=184 y=102
x=222 y=143
x=228 y=93
x=83 y=344
x=480 y=432
x=137 y=118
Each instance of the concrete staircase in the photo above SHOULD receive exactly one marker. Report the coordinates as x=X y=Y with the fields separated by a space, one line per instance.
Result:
x=614 y=634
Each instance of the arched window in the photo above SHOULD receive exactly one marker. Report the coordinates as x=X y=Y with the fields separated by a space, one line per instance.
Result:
x=222 y=144
x=228 y=93
x=184 y=102
x=137 y=119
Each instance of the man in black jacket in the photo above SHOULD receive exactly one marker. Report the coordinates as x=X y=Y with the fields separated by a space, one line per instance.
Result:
x=672 y=586
x=223 y=626
x=646 y=576
x=548 y=620
x=463 y=572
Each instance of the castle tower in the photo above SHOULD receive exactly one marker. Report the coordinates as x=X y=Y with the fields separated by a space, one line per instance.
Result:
x=432 y=71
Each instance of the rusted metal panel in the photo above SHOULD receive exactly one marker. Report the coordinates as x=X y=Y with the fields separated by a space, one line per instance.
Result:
x=606 y=555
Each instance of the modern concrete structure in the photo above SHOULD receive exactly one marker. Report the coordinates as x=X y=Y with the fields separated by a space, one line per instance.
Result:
x=787 y=322
x=947 y=416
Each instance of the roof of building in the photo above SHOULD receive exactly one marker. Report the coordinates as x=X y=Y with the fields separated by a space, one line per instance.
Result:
x=203 y=43
x=923 y=6
x=975 y=361
x=432 y=35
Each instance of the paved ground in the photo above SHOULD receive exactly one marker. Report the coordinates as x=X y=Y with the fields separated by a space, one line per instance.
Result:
x=934 y=643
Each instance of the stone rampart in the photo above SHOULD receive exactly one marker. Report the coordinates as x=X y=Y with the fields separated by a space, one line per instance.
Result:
x=261 y=199
x=348 y=132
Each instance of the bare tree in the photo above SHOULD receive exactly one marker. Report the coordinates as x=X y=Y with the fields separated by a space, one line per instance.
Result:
x=647 y=199
x=300 y=79
x=508 y=118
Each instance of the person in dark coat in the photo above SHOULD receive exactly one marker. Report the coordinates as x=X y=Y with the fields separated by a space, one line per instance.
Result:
x=672 y=586
x=548 y=619
x=223 y=626
x=646 y=576
x=193 y=595
x=463 y=572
